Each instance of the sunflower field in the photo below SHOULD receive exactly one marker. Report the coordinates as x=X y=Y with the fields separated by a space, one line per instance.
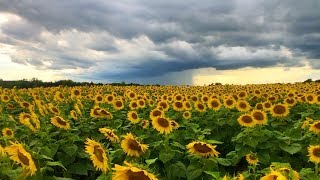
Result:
x=267 y=132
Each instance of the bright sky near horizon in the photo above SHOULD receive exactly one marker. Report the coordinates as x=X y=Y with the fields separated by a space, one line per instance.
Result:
x=155 y=42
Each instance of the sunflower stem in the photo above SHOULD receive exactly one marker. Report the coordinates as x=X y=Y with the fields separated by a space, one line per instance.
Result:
x=166 y=142
x=317 y=169
x=254 y=172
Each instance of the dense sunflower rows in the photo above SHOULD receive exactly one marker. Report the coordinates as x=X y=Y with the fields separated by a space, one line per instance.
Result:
x=263 y=132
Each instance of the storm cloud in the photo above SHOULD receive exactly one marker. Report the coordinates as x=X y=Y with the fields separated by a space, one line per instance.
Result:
x=141 y=39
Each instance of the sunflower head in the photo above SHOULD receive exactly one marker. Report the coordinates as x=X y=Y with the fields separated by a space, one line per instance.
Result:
x=186 y=115
x=214 y=104
x=178 y=106
x=7 y=132
x=162 y=124
x=279 y=110
x=133 y=117
x=202 y=149
x=246 y=120
x=252 y=159
x=314 y=153
x=97 y=155
x=155 y=113
x=199 y=106
x=129 y=171
x=243 y=106
x=109 y=134
x=315 y=127
x=118 y=104
x=59 y=122
x=259 y=116
x=145 y=124
x=132 y=147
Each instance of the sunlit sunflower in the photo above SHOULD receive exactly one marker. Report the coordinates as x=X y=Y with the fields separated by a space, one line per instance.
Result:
x=174 y=124
x=54 y=110
x=60 y=122
x=97 y=155
x=273 y=175
x=162 y=124
x=315 y=127
x=229 y=103
x=314 y=153
x=202 y=149
x=130 y=172
x=186 y=115
x=73 y=115
x=290 y=101
x=156 y=113
x=279 y=110
x=109 y=98
x=214 y=104
x=5 y=98
x=306 y=123
x=187 y=105
x=133 y=117
x=18 y=154
x=109 y=134
x=243 y=106
x=267 y=105
x=30 y=120
x=145 y=124
x=259 y=116
x=178 y=106
x=246 y=120
x=289 y=173
x=310 y=98
x=132 y=147
x=165 y=106
x=75 y=93
x=118 y=104
x=200 y=106
x=7 y=132
x=98 y=99
x=59 y=96
x=141 y=103
x=94 y=112
x=259 y=106
x=252 y=159
x=133 y=105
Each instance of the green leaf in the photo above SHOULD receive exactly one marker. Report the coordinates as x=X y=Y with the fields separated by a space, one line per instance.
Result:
x=224 y=162
x=193 y=172
x=61 y=178
x=176 y=144
x=70 y=149
x=151 y=161
x=80 y=168
x=166 y=155
x=178 y=169
x=215 y=175
x=291 y=148
x=211 y=141
x=56 y=163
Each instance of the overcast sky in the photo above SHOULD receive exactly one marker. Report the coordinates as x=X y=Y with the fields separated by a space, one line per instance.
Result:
x=167 y=42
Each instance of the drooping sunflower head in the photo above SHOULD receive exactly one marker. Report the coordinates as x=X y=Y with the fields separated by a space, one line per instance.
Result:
x=7 y=132
x=315 y=127
x=246 y=120
x=97 y=155
x=314 y=153
x=202 y=149
x=259 y=116
x=279 y=110
x=103 y=113
x=54 y=110
x=132 y=147
x=252 y=159
x=131 y=172
x=59 y=122
x=94 y=112
x=21 y=156
x=162 y=124
x=133 y=117
x=186 y=115
x=73 y=115
x=109 y=134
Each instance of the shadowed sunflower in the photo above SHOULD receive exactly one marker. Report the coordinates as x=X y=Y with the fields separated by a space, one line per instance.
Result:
x=97 y=155
x=155 y=113
x=186 y=115
x=130 y=172
x=103 y=113
x=214 y=104
x=73 y=115
x=162 y=124
x=202 y=149
x=133 y=117
x=306 y=123
x=109 y=134
x=314 y=153
x=7 y=132
x=246 y=120
x=145 y=124
x=315 y=127
x=60 y=122
x=259 y=116
x=19 y=155
x=279 y=110
x=252 y=159
x=132 y=147
x=259 y=106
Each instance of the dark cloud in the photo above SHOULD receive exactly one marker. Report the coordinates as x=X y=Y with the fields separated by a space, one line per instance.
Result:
x=178 y=36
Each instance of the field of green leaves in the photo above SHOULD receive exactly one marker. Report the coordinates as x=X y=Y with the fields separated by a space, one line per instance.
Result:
x=268 y=132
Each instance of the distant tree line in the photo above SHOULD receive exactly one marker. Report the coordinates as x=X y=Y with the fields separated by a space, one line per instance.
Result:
x=34 y=82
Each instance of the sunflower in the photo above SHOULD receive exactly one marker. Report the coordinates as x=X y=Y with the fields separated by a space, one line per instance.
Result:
x=174 y=124
x=29 y=120
x=145 y=123
x=178 y=106
x=214 y=104
x=290 y=101
x=156 y=113
x=279 y=110
x=162 y=124
x=133 y=117
x=97 y=155
x=259 y=106
x=7 y=132
x=59 y=96
x=267 y=105
x=200 y=106
x=186 y=115
x=202 y=149
x=60 y=122
x=73 y=115
x=306 y=123
x=165 y=106
x=109 y=98
x=134 y=105
x=274 y=175
x=229 y=103
x=259 y=116
x=109 y=134
x=118 y=104
x=187 y=105
x=5 y=98
x=103 y=113
x=130 y=172
x=252 y=159
x=310 y=98
x=98 y=99
x=246 y=120
x=18 y=154
x=75 y=93
x=243 y=106
x=314 y=153
x=315 y=127
x=54 y=110
x=141 y=103
x=94 y=112
x=132 y=147
x=289 y=173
